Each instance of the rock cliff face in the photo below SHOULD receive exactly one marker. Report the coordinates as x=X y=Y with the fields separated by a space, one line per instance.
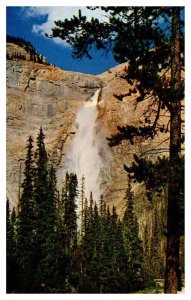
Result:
x=119 y=106
x=42 y=95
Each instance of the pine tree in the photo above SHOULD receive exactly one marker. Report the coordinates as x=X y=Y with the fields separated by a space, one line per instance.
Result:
x=172 y=273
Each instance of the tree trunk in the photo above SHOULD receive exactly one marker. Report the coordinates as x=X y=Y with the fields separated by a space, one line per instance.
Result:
x=173 y=239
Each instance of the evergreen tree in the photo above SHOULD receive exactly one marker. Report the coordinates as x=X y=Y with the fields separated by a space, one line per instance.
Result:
x=103 y=252
x=101 y=206
x=156 y=259
x=112 y=254
x=70 y=216
x=172 y=273
x=41 y=193
x=133 y=244
x=50 y=261
x=82 y=199
x=52 y=198
x=25 y=223
x=95 y=265
x=91 y=202
x=91 y=279
x=42 y=243
x=45 y=196
x=119 y=256
x=12 y=266
x=69 y=198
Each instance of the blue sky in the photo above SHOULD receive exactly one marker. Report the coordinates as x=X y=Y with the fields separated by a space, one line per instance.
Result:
x=31 y=23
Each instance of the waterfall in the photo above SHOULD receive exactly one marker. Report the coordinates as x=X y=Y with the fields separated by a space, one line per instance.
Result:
x=83 y=156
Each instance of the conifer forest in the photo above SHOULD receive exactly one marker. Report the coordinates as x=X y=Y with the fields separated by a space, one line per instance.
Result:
x=69 y=236
x=53 y=248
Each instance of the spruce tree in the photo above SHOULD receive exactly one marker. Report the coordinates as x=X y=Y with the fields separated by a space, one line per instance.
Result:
x=26 y=223
x=156 y=259
x=60 y=255
x=50 y=261
x=12 y=265
x=69 y=198
x=82 y=199
x=101 y=206
x=109 y=264
x=116 y=280
x=91 y=202
x=70 y=215
x=103 y=251
x=46 y=203
x=132 y=243
x=91 y=260
x=41 y=194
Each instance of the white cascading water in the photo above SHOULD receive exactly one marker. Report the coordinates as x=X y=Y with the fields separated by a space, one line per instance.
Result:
x=83 y=156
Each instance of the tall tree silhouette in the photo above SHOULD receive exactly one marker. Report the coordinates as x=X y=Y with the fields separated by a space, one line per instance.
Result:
x=26 y=223
x=132 y=242
x=137 y=34
x=49 y=263
x=12 y=265
x=69 y=198
x=41 y=191
x=45 y=214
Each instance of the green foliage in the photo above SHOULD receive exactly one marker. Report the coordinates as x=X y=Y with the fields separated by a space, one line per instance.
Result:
x=46 y=202
x=69 y=197
x=28 y=47
x=68 y=200
x=49 y=257
x=134 y=34
x=156 y=260
x=130 y=132
x=139 y=26
x=11 y=249
x=155 y=176
x=132 y=242
x=25 y=223
x=41 y=193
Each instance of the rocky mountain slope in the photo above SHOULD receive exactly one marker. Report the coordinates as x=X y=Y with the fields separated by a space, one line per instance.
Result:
x=42 y=95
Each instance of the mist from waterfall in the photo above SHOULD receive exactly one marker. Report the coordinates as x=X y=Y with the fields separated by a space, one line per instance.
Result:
x=83 y=156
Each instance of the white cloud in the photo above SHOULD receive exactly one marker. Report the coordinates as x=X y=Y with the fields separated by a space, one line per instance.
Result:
x=55 y=13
